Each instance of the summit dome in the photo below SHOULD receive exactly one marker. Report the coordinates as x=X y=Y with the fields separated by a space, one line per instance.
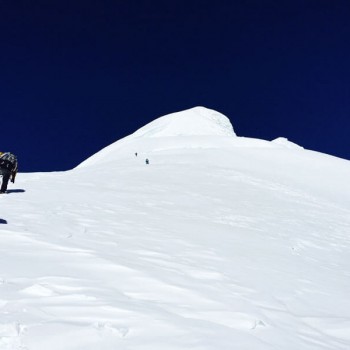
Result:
x=197 y=121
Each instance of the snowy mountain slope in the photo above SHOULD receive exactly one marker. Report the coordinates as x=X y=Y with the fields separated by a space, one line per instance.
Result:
x=221 y=242
x=192 y=128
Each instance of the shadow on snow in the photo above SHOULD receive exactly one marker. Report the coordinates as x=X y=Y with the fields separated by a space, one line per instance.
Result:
x=17 y=190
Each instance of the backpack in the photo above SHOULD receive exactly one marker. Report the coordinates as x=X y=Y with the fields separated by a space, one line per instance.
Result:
x=8 y=161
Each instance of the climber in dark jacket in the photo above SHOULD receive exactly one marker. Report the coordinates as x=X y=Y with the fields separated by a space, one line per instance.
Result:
x=8 y=169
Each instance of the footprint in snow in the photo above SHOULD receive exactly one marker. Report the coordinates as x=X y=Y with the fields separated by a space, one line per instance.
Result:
x=121 y=331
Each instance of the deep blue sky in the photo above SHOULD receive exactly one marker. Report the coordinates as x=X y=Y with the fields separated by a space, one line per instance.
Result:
x=79 y=75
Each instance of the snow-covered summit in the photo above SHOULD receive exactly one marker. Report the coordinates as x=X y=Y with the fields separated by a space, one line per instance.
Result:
x=197 y=127
x=191 y=122
x=194 y=128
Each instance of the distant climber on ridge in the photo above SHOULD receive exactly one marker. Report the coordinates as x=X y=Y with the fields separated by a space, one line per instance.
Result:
x=8 y=169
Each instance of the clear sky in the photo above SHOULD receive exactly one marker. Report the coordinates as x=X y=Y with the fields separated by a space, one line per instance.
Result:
x=79 y=75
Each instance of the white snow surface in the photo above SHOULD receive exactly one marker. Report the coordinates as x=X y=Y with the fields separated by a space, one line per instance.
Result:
x=220 y=243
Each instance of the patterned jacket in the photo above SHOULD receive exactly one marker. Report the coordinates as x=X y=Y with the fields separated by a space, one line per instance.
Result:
x=9 y=161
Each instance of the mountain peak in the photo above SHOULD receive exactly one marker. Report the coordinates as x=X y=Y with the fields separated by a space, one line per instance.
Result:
x=194 y=127
x=197 y=121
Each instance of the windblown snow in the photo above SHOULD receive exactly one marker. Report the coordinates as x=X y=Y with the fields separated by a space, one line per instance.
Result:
x=220 y=242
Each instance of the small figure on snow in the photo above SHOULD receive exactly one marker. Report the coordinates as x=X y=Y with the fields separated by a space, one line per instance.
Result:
x=8 y=169
x=147 y=161
x=135 y=154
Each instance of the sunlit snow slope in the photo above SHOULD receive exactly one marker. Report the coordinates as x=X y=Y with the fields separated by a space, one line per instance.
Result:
x=220 y=243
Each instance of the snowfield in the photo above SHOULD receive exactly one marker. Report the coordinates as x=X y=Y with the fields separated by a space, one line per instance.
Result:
x=220 y=243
